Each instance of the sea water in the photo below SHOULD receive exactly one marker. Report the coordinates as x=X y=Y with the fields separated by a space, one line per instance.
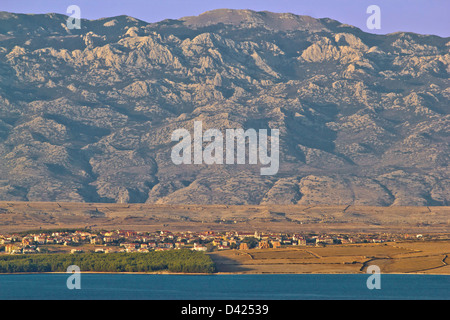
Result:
x=223 y=287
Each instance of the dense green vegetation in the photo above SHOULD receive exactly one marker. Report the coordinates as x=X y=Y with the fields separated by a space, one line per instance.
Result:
x=172 y=261
x=251 y=242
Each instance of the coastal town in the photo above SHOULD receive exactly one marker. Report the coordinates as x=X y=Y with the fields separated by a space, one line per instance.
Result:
x=78 y=241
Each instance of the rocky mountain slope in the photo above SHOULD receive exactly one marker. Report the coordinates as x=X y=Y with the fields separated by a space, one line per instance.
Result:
x=87 y=115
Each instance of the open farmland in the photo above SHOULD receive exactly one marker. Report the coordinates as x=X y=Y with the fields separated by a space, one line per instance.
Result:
x=407 y=257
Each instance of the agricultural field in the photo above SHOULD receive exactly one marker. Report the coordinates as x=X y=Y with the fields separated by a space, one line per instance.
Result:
x=405 y=257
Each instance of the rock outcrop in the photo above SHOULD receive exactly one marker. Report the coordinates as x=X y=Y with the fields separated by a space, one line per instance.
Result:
x=87 y=115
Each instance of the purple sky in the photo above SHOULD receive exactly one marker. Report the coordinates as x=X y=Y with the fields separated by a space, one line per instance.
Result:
x=420 y=16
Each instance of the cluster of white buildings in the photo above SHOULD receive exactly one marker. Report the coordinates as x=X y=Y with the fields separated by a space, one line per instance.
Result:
x=133 y=241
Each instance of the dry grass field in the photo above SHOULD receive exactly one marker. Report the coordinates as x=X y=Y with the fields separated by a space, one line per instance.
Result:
x=405 y=257
x=21 y=216
x=392 y=257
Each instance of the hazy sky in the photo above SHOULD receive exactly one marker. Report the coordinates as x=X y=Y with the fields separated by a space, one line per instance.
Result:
x=420 y=16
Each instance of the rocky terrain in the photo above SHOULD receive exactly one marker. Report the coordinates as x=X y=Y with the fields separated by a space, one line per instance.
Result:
x=87 y=115
x=29 y=215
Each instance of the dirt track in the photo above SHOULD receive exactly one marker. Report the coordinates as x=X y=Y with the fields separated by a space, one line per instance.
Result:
x=408 y=257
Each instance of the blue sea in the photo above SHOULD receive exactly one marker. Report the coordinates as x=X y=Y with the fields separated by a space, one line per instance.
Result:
x=223 y=287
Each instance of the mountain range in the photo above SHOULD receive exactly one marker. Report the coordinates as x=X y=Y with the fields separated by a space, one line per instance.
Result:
x=87 y=114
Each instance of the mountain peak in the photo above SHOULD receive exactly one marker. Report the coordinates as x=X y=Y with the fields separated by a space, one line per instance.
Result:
x=87 y=115
x=255 y=19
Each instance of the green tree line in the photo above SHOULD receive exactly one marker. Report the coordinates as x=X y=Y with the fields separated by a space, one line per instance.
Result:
x=173 y=261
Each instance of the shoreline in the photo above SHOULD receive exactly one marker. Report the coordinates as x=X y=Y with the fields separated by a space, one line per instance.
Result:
x=224 y=273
